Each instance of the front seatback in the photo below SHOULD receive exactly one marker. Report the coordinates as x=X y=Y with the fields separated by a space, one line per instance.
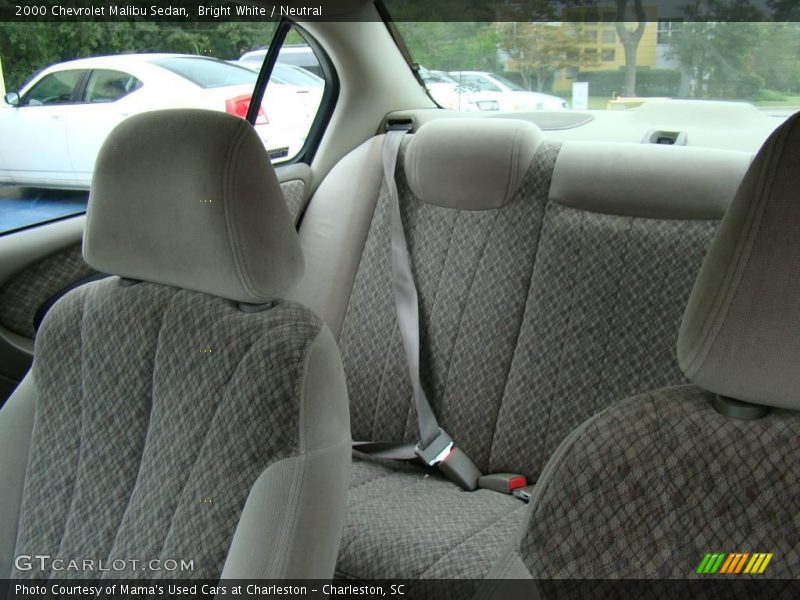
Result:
x=545 y=292
x=182 y=410
x=658 y=484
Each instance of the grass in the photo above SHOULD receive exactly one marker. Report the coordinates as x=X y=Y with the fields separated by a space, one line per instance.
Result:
x=785 y=102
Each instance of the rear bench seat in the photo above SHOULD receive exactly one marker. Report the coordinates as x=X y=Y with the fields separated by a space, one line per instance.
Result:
x=552 y=279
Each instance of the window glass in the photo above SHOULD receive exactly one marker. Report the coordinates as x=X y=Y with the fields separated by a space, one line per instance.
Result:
x=292 y=75
x=754 y=63
x=151 y=65
x=667 y=28
x=508 y=83
x=207 y=72
x=108 y=86
x=292 y=98
x=56 y=88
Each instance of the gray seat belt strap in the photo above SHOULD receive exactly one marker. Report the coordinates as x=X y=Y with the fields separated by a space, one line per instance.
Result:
x=435 y=447
x=405 y=292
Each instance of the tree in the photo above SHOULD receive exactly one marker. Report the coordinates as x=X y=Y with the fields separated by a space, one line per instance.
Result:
x=630 y=39
x=776 y=59
x=536 y=50
x=716 y=56
x=451 y=46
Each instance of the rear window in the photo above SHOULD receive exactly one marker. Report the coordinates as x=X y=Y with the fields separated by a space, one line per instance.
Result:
x=582 y=64
x=207 y=72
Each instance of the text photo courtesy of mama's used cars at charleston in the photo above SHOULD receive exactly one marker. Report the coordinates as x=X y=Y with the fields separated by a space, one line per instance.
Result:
x=393 y=298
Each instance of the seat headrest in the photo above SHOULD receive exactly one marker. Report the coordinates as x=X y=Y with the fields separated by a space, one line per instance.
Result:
x=470 y=164
x=189 y=198
x=740 y=335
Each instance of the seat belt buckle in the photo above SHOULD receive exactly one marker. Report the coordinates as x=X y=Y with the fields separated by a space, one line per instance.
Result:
x=437 y=450
x=505 y=483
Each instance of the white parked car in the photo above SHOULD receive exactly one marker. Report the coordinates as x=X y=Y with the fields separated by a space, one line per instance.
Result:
x=509 y=96
x=58 y=121
x=298 y=55
x=446 y=91
x=293 y=96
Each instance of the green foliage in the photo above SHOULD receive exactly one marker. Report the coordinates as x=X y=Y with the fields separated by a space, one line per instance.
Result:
x=451 y=46
x=748 y=86
x=649 y=82
x=29 y=47
x=777 y=58
x=716 y=56
x=770 y=96
x=537 y=50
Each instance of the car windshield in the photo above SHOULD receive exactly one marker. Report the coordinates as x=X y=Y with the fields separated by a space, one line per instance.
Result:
x=296 y=76
x=508 y=83
x=586 y=66
x=429 y=76
x=207 y=72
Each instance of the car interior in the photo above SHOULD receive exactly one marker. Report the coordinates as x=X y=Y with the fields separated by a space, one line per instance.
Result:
x=442 y=348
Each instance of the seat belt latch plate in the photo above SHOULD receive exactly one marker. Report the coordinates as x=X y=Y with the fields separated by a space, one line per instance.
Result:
x=437 y=450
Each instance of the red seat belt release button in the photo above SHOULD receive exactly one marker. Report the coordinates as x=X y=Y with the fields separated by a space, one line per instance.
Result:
x=505 y=483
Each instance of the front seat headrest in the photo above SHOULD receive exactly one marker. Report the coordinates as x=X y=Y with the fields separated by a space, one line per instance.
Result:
x=740 y=335
x=188 y=198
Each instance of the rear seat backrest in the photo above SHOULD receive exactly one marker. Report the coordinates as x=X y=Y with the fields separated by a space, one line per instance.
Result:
x=538 y=307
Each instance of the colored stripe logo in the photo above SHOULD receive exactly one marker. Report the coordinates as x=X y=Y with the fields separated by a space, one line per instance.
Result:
x=734 y=563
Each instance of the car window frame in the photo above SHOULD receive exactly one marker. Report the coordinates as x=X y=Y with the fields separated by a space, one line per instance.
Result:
x=77 y=94
x=330 y=92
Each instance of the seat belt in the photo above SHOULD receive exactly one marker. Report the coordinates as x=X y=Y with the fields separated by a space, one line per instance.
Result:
x=435 y=446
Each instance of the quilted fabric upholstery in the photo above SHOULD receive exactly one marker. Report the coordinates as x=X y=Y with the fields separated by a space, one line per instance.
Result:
x=520 y=307
x=23 y=294
x=679 y=480
x=145 y=443
x=407 y=522
x=294 y=192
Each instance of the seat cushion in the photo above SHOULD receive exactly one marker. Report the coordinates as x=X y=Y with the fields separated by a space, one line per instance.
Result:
x=533 y=317
x=406 y=522
x=649 y=486
x=156 y=411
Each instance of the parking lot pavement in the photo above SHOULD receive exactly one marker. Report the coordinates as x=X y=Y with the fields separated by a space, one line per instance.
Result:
x=22 y=207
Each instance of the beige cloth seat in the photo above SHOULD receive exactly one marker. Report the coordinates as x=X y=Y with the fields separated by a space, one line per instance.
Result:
x=651 y=485
x=180 y=409
x=552 y=279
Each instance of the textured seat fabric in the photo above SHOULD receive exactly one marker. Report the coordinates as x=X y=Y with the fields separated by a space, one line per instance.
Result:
x=536 y=312
x=408 y=522
x=507 y=298
x=193 y=422
x=649 y=486
x=160 y=423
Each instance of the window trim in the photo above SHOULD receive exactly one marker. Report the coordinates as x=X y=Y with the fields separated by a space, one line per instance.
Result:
x=330 y=93
x=380 y=6
x=74 y=215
